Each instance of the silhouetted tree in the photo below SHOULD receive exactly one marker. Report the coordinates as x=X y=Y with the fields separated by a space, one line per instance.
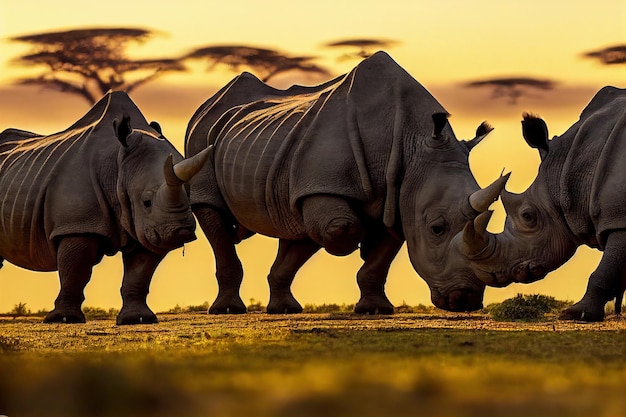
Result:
x=90 y=62
x=366 y=47
x=513 y=88
x=266 y=63
x=609 y=56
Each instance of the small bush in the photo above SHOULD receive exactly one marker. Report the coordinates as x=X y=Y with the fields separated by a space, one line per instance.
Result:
x=255 y=306
x=328 y=308
x=19 y=310
x=97 y=313
x=420 y=308
x=524 y=308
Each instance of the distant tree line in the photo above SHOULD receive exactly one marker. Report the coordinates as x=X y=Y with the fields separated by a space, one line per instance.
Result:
x=90 y=62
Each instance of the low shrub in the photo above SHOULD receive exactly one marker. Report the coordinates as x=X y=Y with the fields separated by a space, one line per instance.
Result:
x=255 y=306
x=97 y=313
x=418 y=309
x=328 y=308
x=525 y=308
x=19 y=310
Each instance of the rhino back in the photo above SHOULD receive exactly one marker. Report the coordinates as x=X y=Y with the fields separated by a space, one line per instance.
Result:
x=59 y=184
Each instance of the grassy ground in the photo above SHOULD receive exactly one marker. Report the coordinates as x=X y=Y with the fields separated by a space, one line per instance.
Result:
x=313 y=365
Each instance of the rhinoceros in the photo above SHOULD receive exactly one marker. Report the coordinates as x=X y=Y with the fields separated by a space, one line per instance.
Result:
x=578 y=198
x=363 y=161
x=111 y=182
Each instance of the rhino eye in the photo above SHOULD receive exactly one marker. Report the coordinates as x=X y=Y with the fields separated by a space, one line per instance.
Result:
x=437 y=230
x=529 y=218
x=439 y=227
x=146 y=200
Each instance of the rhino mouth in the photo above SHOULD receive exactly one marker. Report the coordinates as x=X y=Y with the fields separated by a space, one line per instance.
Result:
x=459 y=300
x=527 y=272
x=169 y=239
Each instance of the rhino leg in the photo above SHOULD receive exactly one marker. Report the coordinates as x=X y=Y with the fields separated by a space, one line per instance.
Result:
x=378 y=251
x=604 y=282
x=76 y=256
x=292 y=254
x=139 y=267
x=222 y=236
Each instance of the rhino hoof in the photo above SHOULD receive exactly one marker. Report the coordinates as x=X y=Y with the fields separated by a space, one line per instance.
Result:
x=127 y=317
x=228 y=306
x=374 y=305
x=68 y=318
x=574 y=314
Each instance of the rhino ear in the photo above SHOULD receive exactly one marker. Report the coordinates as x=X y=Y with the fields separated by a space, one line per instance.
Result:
x=481 y=132
x=122 y=130
x=535 y=133
x=440 y=120
x=156 y=126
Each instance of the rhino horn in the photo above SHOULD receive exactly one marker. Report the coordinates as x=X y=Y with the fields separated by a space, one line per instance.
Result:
x=476 y=238
x=180 y=173
x=510 y=201
x=481 y=200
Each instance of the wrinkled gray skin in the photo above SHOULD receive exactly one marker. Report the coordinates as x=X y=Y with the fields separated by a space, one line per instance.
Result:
x=578 y=198
x=106 y=184
x=363 y=161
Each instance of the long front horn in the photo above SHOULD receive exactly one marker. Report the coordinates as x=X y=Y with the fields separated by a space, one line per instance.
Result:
x=481 y=200
x=184 y=170
x=476 y=239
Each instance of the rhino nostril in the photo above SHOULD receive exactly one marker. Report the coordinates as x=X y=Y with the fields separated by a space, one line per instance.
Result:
x=535 y=272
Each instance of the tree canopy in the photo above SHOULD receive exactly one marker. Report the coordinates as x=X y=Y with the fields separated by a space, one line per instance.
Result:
x=512 y=87
x=611 y=55
x=267 y=63
x=90 y=62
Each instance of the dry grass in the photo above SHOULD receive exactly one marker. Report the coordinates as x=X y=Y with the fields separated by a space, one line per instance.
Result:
x=313 y=365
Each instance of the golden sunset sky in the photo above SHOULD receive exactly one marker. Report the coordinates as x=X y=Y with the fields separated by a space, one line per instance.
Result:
x=443 y=44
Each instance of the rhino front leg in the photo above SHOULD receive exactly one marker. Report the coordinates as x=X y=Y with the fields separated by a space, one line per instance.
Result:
x=222 y=236
x=292 y=254
x=330 y=221
x=377 y=251
x=139 y=267
x=604 y=283
x=76 y=256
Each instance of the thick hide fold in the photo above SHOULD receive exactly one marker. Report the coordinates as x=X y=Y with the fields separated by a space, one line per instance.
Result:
x=593 y=181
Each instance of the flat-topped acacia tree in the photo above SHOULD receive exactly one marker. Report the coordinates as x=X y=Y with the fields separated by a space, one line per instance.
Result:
x=90 y=62
x=266 y=63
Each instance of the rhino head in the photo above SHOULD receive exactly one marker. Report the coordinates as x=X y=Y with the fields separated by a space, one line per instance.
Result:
x=536 y=238
x=151 y=188
x=438 y=196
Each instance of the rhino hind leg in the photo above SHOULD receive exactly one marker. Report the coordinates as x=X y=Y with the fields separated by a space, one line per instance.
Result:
x=332 y=223
x=604 y=283
x=378 y=251
x=292 y=254
x=76 y=256
x=139 y=267
x=222 y=235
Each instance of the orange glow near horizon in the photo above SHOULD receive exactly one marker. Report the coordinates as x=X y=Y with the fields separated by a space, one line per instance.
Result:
x=441 y=44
